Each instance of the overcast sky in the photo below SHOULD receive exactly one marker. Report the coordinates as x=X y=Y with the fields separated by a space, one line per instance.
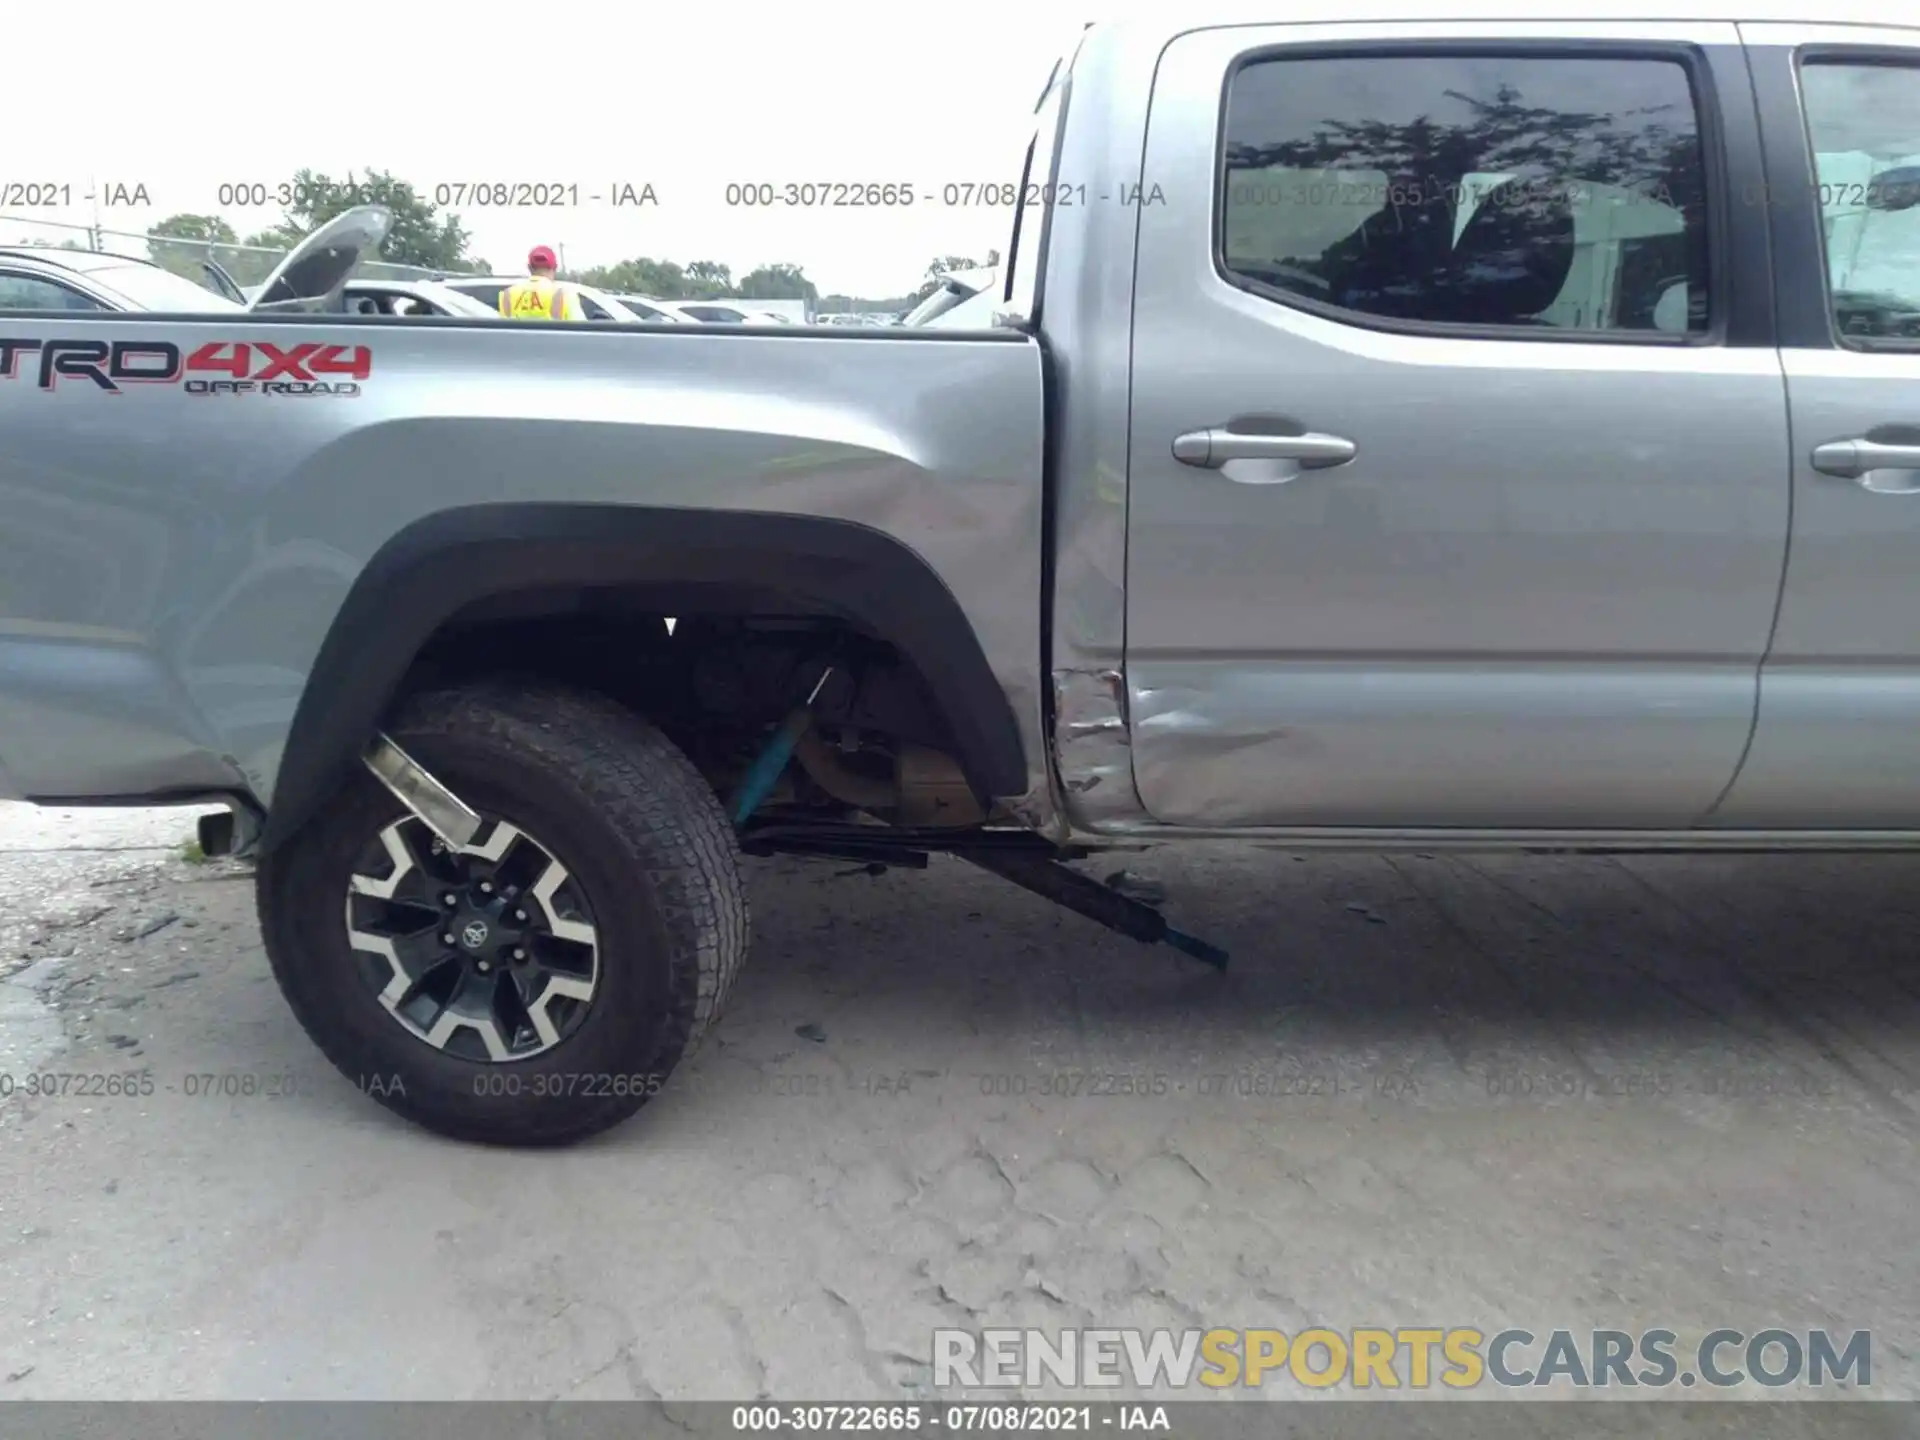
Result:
x=687 y=98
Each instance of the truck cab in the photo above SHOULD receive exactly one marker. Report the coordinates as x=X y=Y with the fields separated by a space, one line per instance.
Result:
x=1469 y=428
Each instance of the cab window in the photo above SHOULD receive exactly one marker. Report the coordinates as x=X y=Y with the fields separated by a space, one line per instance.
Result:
x=1863 y=122
x=1506 y=191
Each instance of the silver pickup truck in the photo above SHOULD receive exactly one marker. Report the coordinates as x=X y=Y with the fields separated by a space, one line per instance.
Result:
x=1496 y=432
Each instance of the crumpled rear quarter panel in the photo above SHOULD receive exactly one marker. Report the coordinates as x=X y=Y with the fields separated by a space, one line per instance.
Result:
x=170 y=562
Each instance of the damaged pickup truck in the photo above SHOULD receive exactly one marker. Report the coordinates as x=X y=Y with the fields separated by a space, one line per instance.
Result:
x=1391 y=434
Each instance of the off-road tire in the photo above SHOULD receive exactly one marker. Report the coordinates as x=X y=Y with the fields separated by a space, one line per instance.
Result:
x=641 y=832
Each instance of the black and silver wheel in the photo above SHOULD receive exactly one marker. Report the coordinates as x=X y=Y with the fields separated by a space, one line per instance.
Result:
x=540 y=983
x=488 y=951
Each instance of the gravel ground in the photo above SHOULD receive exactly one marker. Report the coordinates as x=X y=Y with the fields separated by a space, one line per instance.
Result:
x=1548 y=1092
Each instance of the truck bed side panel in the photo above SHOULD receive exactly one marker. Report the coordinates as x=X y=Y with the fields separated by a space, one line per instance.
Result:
x=171 y=561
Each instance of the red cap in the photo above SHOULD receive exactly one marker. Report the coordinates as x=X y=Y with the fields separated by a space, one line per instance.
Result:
x=541 y=258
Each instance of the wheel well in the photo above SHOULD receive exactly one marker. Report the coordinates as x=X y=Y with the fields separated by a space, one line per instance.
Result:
x=583 y=595
x=714 y=669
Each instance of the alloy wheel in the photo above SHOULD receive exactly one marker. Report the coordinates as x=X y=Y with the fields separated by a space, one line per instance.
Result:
x=488 y=951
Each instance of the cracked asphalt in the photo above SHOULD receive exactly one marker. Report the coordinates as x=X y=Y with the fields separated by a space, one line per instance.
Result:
x=1537 y=1091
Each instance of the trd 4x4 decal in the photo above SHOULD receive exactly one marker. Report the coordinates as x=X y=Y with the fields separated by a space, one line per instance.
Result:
x=251 y=367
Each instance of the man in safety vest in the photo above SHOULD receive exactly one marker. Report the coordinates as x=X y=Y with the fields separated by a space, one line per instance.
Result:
x=540 y=296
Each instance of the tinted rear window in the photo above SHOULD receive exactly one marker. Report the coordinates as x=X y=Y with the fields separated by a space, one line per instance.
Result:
x=1489 y=190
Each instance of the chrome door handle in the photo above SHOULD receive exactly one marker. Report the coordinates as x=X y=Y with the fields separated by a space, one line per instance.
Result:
x=1854 y=459
x=1210 y=449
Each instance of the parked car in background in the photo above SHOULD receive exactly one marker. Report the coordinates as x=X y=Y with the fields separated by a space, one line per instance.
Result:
x=711 y=313
x=784 y=312
x=646 y=307
x=411 y=297
x=597 y=304
x=954 y=288
x=728 y=312
x=976 y=312
x=312 y=277
x=41 y=278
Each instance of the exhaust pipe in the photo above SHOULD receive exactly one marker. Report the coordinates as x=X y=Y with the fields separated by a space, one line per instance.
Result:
x=437 y=807
x=231 y=833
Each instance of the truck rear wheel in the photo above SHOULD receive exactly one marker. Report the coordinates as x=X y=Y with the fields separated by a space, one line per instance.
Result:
x=541 y=983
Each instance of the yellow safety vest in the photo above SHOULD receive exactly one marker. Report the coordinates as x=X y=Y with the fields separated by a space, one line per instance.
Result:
x=538 y=298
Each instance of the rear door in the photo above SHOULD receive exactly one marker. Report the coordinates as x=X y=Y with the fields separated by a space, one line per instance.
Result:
x=1457 y=490
x=1838 y=740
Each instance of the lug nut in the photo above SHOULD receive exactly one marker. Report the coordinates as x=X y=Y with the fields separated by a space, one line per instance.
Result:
x=447 y=938
x=519 y=954
x=486 y=887
x=520 y=916
x=484 y=966
x=450 y=900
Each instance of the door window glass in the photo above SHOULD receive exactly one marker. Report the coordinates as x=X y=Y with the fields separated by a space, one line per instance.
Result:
x=1479 y=190
x=1864 y=124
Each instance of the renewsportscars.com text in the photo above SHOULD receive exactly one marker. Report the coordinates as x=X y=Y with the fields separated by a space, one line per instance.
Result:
x=1412 y=1357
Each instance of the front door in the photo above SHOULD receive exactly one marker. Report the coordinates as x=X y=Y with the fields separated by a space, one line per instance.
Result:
x=1838 y=744
x=1457 y=492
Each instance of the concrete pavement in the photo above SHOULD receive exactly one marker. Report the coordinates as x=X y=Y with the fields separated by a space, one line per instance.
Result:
x=1538 y=1091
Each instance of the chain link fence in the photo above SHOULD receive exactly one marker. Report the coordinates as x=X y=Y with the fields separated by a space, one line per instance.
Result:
x=248 y=264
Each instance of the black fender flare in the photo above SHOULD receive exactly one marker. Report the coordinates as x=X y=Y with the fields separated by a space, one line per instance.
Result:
x=448 y=561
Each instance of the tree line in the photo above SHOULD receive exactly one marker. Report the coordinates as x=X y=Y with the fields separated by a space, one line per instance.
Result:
x=424 y=237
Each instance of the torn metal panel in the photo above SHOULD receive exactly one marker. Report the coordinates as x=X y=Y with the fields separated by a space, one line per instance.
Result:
x=1093 y=745
x=1234 y=742
x=1038 y=810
